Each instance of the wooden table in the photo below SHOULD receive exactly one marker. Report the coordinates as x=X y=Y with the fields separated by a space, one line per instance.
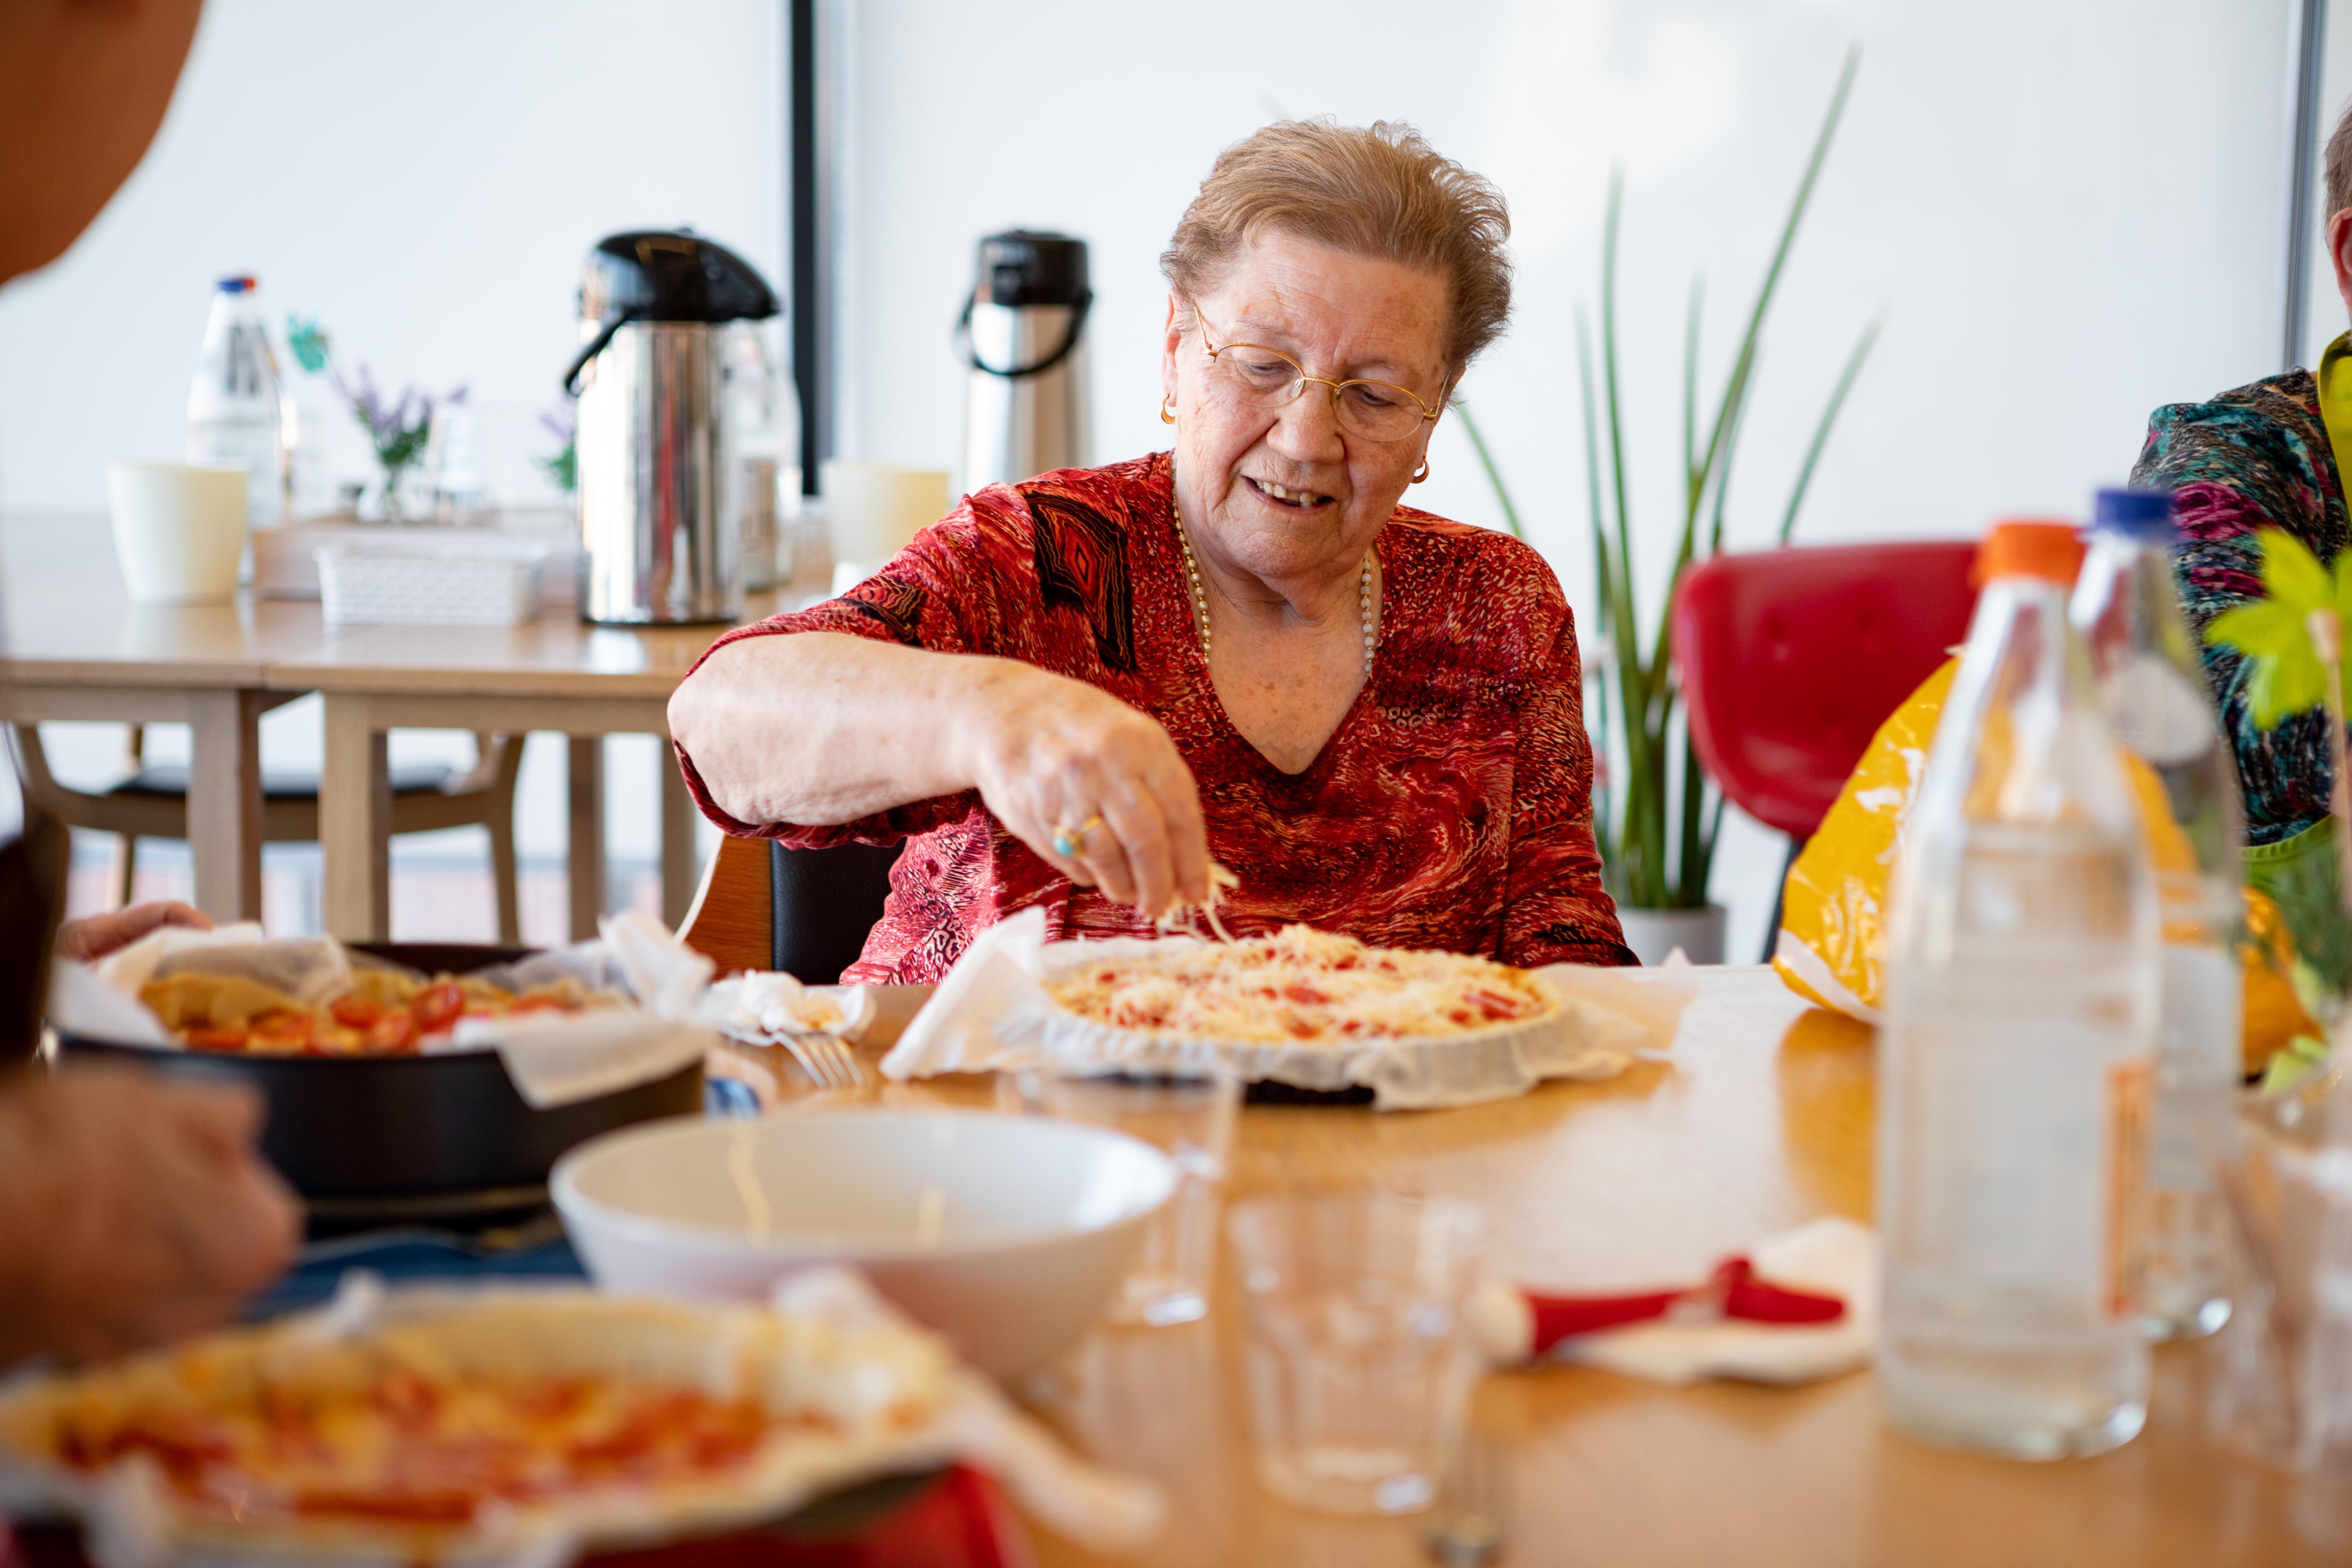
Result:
x=554 y=673
x=1761 y=1120
x=79 y=649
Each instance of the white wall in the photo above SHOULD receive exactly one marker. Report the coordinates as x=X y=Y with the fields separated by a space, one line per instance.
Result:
x=2068 y=214
x=424 y=177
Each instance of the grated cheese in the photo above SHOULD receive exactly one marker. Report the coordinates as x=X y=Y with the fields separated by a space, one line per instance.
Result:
x=1303 y=986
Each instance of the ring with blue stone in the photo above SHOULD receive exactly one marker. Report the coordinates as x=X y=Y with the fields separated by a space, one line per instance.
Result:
x=1066 y=840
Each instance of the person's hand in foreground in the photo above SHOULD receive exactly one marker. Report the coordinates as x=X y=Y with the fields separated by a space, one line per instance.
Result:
x=132 y=1211
x=92 y=938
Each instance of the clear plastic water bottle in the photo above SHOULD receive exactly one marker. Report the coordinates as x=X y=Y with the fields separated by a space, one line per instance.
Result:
x=2016 y=1065
x=237 y=413
x=2156 y=693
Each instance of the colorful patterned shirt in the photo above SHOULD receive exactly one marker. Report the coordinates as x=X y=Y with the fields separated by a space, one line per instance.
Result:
x=2254 y=457
x=1451 y=808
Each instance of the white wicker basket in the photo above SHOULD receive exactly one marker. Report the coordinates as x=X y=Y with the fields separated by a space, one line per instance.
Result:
x=423 y=585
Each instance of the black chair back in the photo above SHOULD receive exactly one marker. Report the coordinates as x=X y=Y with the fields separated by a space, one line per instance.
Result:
x=33 y=868
x=823 y=904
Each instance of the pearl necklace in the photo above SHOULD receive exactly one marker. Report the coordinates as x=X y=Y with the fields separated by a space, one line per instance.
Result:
x=1200 y=595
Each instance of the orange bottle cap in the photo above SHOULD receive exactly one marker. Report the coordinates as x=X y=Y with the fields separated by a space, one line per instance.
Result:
x=2030 y=548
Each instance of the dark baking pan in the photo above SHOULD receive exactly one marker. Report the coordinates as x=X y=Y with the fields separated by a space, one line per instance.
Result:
x=401 y=1137
x=1266 y=1091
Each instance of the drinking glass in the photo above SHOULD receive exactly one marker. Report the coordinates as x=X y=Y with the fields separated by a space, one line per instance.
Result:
x=1360 y=1359
x=1187 y=1113
x=2284 y=1388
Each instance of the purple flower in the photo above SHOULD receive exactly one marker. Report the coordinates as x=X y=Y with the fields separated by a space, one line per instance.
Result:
x=398 y=432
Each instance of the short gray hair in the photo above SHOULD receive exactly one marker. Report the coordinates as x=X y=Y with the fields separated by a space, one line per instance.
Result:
x=1377 y=190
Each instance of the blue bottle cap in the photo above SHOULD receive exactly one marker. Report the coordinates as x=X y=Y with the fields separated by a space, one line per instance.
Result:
x=2142 y=515
x=237 y=285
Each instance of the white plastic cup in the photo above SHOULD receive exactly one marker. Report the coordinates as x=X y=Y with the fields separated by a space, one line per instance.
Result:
x=179 y=528
x=876 y=510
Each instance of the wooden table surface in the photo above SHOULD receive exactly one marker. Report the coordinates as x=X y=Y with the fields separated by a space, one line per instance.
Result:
x=550 y=674
x=555 y=655
x=1761 y=1120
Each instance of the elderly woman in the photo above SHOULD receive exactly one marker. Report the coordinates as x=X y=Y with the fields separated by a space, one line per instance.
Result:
x=1079 y=691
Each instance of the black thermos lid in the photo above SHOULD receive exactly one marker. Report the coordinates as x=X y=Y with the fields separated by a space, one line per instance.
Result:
x=1025 y=268
x=662 y=276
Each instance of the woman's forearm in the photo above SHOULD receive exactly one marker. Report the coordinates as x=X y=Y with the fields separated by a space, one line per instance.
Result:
x=819 y=728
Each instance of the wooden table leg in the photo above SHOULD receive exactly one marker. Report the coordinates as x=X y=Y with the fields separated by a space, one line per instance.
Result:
x=224 y=801
x=681 y=868
x=586 y=871
x=355 y=823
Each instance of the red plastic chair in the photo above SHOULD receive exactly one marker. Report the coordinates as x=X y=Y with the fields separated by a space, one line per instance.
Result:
x=1791 y=658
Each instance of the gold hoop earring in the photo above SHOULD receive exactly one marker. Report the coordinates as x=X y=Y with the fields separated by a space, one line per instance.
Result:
x=1167 y=415
x=1423 y=474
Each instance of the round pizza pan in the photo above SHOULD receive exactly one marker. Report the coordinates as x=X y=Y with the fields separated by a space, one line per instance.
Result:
x=435 y=1135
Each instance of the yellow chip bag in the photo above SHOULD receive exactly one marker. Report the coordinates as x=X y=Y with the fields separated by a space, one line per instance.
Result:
x=1832 y=937
x=1832 y=942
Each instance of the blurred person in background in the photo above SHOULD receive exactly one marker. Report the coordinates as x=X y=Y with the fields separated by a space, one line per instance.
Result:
x=1079 y=692
x=132 y=1211
x=2271 y=454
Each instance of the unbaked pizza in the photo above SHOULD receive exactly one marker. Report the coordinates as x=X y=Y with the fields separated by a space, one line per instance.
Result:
x=439 y=1427
x=1302 y=986
x=384 y=1011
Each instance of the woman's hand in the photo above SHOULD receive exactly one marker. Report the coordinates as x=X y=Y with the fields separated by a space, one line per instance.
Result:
x=92 y=938
x=823 y=727
x=1049 y=754
x=132 y=1211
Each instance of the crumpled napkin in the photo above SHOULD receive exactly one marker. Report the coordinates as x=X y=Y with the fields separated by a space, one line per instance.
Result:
x=81 y=1003
x=1097 y=1508
x=563 y=1058
x=1830 y=1257
x=766 y=1006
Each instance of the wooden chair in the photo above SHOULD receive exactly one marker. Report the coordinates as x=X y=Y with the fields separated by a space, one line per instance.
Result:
x=805 y=911
x=152 y=803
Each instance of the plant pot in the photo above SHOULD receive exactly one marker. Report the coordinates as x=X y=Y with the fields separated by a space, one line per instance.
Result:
x=1654 y=933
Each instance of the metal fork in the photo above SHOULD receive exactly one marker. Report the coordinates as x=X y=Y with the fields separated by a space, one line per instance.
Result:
x=827 y=1059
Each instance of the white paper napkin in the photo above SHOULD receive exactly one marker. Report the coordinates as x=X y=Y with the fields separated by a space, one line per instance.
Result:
x=1829 y=1256
x=563 y=1058
x=1100 y=1509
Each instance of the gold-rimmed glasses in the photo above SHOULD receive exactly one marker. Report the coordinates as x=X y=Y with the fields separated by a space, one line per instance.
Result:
x=1268 y=379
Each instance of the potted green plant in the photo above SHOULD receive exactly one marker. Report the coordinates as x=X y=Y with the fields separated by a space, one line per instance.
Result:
x=397 y=433
x=1653 y=814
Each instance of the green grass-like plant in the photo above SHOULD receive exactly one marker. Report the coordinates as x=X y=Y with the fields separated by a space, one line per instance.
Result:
x=1657 y=823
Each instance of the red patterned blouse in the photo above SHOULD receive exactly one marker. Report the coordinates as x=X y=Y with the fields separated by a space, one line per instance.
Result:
x=1452 y=808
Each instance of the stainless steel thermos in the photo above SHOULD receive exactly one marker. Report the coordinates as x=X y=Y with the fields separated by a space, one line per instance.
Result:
x=1023 y=335
x=660 y=506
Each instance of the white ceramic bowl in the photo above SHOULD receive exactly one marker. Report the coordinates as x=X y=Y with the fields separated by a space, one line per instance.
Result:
x=1004 y=1233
